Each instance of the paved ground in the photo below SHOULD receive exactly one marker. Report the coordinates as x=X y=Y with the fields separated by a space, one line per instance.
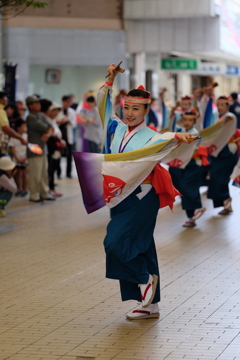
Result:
x=55 y=302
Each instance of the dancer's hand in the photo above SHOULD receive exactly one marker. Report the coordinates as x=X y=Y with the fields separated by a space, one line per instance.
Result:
x=113 y=70
x=186 y=137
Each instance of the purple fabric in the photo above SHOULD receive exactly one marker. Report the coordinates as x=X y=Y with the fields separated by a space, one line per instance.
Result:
x=90 y=179
x=84 y=141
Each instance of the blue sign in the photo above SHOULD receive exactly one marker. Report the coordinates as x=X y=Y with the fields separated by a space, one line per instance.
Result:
x=232 y=70
x=210 y=68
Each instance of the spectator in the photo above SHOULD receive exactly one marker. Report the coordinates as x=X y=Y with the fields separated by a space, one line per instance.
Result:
x=67 y=122
x=19 y=153
x=93 y=125
x=8 y=186
x=5 y=129
x=21 y=109
x=12 y=114
x=54 y=140
x=39 y=131
x=235 y=108
x=55 y=148
x=73 y=103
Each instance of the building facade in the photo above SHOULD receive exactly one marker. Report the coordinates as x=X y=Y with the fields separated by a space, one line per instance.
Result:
x=184 y=44
x=65 y=47
x=181 y=45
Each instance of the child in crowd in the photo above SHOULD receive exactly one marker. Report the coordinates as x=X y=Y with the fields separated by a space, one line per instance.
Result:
x=8 y=186
x=188 y=179
x=19 y=153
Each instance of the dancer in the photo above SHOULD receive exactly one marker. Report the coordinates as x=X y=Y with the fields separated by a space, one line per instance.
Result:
x=188 y=179
x=129 y=244
x=223 y=161
x=177 y=111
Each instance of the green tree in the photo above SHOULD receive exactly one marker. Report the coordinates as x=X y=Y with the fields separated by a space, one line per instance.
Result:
x=8 y=5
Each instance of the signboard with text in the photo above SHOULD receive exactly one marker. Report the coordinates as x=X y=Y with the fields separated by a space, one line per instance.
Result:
x=200 y=68
x=179 y=64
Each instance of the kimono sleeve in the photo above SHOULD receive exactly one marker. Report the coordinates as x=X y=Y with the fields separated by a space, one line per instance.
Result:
x=108 y=117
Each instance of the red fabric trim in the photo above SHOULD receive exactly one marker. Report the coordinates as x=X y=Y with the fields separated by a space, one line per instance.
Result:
x=237 y=133
x=131 y=128
x=149 y=177
x=162 y=183
x=201 y=152
x=152 y=127
x=145 y=292
x=141 y=312
x=135 y=97
x=135 y=103
x=108 y=83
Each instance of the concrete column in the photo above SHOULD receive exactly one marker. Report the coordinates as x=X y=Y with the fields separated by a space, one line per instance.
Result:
x=124 y=80
x=184 y=85
x=226 y=85
x=234 y=84
x=139 y=66
x=218 y=91
x=22 y=79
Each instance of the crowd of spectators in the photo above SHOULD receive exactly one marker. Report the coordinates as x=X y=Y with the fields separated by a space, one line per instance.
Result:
x=56 y=129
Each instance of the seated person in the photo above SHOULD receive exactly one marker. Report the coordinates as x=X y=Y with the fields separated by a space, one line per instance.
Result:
x=8 y=186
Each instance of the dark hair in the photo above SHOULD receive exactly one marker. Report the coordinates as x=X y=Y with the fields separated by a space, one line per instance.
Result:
x=66 y=97
x=190 y=113
x=45 y=104
x=140 y=94
x=2 y=94
x=19 y=122
x=234 y=95
x=13 y=106
x=188 y=98
x=224 y=98
x=91 y=99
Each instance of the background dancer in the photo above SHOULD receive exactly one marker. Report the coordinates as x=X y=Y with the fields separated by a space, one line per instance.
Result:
x=188 y=179
x=223 y=161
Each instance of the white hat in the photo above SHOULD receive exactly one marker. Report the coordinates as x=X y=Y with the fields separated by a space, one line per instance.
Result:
x=6 y=163
x=55 y=106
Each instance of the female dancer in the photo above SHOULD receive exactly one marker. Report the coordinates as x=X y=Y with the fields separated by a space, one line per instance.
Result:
x=129 y=244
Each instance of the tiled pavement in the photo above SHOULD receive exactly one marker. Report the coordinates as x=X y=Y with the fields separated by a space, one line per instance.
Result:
x=55 y=302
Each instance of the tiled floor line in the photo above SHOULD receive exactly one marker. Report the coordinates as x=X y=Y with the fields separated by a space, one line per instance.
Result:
x=38 y=206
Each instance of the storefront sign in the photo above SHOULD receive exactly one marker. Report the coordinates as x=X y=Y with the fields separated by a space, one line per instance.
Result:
x=211 y=68
x=179 y=64
x=232 y=70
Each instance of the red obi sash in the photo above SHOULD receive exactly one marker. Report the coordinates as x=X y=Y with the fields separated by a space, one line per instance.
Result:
x=162 y=182
x=202 y=154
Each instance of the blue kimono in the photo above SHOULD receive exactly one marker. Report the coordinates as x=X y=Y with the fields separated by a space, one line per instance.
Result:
x=221 y=169
x=188 y=182
x=129 y=243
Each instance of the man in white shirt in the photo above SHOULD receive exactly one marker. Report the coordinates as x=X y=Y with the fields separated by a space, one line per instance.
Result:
x=67 y=122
